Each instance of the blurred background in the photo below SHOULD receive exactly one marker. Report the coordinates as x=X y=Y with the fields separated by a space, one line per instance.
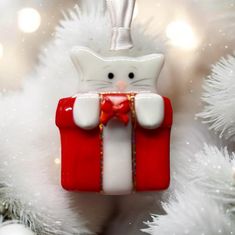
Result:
x=199 y=32
x=25 y=26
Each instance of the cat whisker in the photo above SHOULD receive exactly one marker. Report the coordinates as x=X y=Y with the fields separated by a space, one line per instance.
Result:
x=93 y=80
x=100 y=88
x=138 y=85
x=99 y=84
x=142 y=88
x=140 y=80
x=147 y=87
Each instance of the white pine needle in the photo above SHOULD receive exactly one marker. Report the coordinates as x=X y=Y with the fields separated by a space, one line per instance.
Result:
x=29 y=140
x=219 y=98
x=194 y=213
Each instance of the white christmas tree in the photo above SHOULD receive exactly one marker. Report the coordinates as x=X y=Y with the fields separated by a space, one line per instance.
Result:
x=30 y=189
x=219 y=98
x=205 y=203
x=201 y=199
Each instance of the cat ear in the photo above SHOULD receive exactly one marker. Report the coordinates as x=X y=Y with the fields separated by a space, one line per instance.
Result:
x=83 y=58
x=153 y=62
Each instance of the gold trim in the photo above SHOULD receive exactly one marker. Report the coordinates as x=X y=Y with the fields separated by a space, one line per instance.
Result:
x=101 y=127
x=131 y=98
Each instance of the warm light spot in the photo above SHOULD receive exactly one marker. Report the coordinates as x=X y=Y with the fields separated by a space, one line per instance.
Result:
x=57 y=161
x=1 y=51
x=181 y=35
x=29 y=20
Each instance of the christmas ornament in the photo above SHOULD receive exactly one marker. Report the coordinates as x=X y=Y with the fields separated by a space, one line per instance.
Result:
x=15 y=229
x=115 y=136
x=121 y=13
x=30 y=142
x=29 y=150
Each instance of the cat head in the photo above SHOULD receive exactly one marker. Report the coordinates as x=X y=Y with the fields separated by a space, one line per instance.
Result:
x=116 y=74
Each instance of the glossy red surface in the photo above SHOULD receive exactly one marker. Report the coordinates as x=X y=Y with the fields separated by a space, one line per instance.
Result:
x=153 y=154
x=80 y=151
x=82 y=158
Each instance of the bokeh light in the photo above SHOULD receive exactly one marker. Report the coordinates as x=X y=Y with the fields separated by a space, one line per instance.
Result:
x=181 y=35
x=57 y=161
x=29 y=20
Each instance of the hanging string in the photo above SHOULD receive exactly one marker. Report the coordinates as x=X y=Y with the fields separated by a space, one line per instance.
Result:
x=121 y=14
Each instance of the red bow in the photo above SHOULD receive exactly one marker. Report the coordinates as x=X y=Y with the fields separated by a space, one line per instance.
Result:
x=110 y=110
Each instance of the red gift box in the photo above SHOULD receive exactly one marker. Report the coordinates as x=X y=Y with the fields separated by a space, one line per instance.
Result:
x=83 y=150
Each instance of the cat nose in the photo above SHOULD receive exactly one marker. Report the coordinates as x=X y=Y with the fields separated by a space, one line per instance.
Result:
x=121 y=85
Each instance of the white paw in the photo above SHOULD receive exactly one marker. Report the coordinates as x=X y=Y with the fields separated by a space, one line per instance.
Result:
x=86 y=111
x=149 y=109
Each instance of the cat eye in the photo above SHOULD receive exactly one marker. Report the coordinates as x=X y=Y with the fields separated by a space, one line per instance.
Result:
x=131 y=75
x=110 y=75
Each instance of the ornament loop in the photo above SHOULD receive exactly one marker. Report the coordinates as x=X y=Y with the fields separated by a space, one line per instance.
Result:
x=121 y=13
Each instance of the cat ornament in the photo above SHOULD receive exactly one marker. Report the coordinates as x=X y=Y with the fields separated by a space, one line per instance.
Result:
x=115 y=133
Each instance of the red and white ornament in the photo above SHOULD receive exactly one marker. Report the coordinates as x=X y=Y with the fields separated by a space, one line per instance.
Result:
x=125 y=148
x=115 y=133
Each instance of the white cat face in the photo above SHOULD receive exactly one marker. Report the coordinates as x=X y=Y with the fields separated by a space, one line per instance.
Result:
x=116 y=74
